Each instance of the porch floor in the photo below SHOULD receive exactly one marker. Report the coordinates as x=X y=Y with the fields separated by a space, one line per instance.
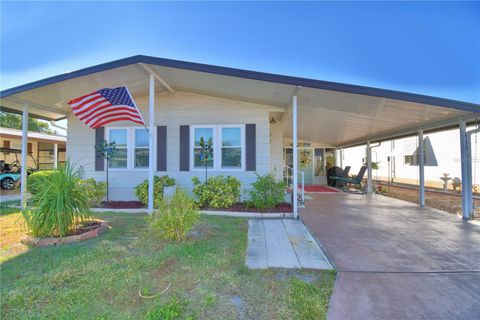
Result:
x=283 y=243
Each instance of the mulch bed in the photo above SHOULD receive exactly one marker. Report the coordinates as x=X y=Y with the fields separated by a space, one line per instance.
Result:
x=242 y=207
x=123 y=205
x=85 y=227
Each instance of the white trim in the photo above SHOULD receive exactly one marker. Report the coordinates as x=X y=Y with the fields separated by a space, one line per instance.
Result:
x=217 y=146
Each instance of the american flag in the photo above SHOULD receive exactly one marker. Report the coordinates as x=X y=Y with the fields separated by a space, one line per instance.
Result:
x=101 y=107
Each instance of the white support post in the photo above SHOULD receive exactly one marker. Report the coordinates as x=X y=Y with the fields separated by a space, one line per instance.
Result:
x=421 y=168
x=369 y=169
x=55 y=155
x=295 y=158
x=303 y=186
x=341 y=157
x=465 y=170
x=23 y=173
x=151 y=120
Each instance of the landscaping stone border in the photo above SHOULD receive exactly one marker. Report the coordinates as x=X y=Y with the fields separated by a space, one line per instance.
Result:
x=241 y=214
x=47 y=242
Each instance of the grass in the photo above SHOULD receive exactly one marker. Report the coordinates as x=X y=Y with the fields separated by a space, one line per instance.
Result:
x=101 y=278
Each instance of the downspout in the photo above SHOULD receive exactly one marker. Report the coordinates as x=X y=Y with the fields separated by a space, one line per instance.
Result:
x=53 y=124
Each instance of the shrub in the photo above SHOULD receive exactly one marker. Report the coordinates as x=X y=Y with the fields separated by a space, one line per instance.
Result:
x=218 y=192
x=34 y=180
x=59 y=205
x=266 y=192
x=141 y=191
x=96 y=191
x=174 y=217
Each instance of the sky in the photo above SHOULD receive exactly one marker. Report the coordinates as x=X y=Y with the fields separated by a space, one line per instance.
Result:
x=430 y=48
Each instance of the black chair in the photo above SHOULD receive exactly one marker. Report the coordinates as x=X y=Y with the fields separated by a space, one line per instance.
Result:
x=335 y=176
x=354 y=182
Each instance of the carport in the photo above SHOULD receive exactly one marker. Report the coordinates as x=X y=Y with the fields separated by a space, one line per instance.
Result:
x=396 y=260
x=335 y=114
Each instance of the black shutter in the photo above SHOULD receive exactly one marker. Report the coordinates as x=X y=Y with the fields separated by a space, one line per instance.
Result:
x=250 y=147
x=99 y=137
x=161 y=148
x=184 y=148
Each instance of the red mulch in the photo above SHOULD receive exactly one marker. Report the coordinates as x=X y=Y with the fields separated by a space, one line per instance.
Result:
x=86 y=227
x=123 y=205
x=320 y=189
x=242 y=207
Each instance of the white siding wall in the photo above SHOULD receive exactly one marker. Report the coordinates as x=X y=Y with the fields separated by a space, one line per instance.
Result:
x=173 y=111
x=446 y=146
x=276 y=149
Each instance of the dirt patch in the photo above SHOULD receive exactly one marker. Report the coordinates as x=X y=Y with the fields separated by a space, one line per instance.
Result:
x=166 y=267
x=448 y=202
x=123 y=205
x=200 y=232
x=243 y=207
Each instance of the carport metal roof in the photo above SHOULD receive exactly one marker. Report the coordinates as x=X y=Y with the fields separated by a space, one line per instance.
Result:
x=332 y=113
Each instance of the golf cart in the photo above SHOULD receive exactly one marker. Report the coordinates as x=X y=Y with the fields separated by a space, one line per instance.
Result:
x=10 y=172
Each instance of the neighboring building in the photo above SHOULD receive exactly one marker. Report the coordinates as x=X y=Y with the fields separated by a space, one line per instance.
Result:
x=398 y=159
x=40 y=148
x=249 y=116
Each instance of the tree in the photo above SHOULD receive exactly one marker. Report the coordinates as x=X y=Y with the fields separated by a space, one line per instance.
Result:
x=106 y=150
x=14 y=121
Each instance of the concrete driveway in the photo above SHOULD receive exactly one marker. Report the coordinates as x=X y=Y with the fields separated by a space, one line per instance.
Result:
x=396 y=260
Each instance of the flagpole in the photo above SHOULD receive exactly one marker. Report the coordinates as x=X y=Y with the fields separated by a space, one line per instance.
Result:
x=139 y=112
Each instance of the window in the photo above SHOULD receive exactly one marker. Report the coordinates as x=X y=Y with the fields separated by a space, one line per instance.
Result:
x=227 y=147
x=141 y=148
x=132 y=147
x=120 y=137
x=198 y=160
x=231 y=147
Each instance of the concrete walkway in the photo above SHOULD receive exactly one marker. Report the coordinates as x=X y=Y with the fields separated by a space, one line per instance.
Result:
x=283 y=244
x=396 y=260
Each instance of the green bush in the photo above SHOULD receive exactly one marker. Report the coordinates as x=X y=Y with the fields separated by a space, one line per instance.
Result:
x=59 y=205
x=34 y=180
x=174 y=217
x=266 y=192
x=96 y=191
x=141 y=191
x=218 y=192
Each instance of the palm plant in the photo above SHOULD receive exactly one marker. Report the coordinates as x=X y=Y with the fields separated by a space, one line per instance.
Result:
x=59 y=205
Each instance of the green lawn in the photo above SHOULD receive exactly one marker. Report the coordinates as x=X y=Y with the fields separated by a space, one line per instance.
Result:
x=101 y=278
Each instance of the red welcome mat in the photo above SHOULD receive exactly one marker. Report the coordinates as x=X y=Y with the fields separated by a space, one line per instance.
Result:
x=321 y=189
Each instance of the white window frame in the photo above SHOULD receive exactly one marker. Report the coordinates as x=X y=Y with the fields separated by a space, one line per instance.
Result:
x=217 y=146
x=130 y=148
x=134 y=133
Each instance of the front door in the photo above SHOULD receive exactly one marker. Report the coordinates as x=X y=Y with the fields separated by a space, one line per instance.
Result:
x=305 y=164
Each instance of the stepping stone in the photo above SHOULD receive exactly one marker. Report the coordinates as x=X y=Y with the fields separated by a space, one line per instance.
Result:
x=309 y=253
x=256 y=250
x=280 y=253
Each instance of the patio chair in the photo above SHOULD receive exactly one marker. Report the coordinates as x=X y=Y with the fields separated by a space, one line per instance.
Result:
x=353 y=182
x=335 y=174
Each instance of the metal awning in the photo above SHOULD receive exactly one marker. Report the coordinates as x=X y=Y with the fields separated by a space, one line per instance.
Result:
x=331 y=113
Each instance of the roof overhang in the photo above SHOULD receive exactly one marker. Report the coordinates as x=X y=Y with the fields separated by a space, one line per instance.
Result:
x=332 y=113
x=32 y=136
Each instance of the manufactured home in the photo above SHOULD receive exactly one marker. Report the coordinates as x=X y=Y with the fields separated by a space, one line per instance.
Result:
x=397 y=160
x=258 y=122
